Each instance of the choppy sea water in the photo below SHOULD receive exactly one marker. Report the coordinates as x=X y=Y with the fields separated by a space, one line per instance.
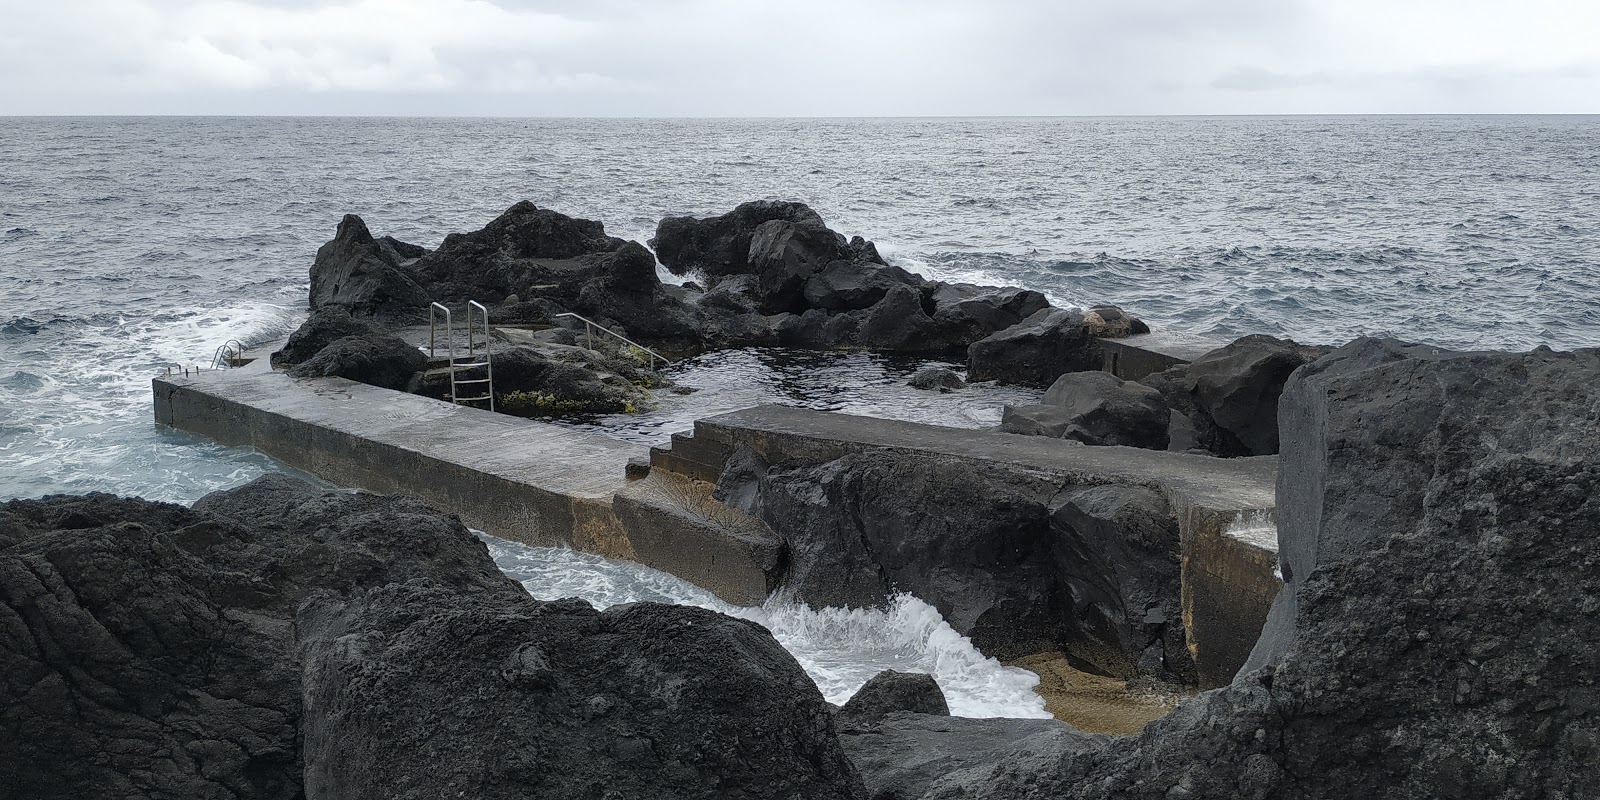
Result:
x=131 y=244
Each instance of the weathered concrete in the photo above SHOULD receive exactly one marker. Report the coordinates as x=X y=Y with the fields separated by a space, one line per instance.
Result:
x=1228 y=579
x=521 y=480
x=1136 y=356
x=674 y=525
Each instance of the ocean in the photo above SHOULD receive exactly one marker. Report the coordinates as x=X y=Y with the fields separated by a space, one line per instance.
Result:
x=131 y=244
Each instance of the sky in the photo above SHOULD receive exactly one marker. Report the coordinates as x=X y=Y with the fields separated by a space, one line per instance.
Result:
x=820 y=58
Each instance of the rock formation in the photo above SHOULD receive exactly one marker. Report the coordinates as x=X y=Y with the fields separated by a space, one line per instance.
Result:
x=1095 y=408
x=1438 y=515
x=890 y=691
x=355 y=272
x=279 y=641
x=378 y=360
x=1230 y=395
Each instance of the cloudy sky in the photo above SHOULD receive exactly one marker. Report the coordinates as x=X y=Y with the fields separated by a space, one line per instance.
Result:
x=818 y=58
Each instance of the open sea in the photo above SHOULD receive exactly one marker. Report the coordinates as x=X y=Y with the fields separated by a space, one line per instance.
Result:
x=131 y=244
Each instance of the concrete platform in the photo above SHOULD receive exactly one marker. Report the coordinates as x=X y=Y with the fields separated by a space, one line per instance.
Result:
x=518 y=479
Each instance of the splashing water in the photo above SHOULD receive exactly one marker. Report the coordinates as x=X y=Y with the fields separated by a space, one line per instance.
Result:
x=839 y=648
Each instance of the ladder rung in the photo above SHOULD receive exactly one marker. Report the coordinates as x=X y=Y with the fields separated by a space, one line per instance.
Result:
x=474 y=380
x=472 y=365
x=471 y=399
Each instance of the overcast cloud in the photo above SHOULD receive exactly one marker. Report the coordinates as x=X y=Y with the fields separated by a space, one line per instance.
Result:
x=822 y=58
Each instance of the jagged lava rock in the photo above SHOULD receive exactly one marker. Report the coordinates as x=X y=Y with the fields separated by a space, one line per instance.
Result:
x=890 y=691
x=527 y=251
x=415 y=692
x=355 y=272
x=1097 y=408
x=627 y=290
x=1438 y=516
x=720 y=245
x=1230 y=394
x=279 y=633
x=1035 y=351
x=1011 y=559
x=374 y=359
x=325 y=325
x=941 y=379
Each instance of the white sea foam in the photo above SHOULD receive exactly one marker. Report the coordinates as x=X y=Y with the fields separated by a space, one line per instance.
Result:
x=839 y=648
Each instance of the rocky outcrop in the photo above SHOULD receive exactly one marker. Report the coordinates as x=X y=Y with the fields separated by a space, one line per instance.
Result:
x=527 y=251
x=719 y=246
x=890 y=691
x=529 y=383
x=490 y=697
x=904 y=756
x=279 y=641
x=1095 y=408
x=1048 y=344
x=627 y=294
x=354 y=272
x=939 y=379
x=1437 y=515
x=820 y=290
x=1017 y=562
x=373 y=359
x=322 y=328
x=1230 y=395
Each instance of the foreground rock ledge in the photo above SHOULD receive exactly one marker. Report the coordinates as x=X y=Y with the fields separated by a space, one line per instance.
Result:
x=277 y=641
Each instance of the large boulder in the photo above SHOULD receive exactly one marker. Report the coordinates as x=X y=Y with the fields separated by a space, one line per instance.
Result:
x=1015 y=561
x=1097 y=408
x=1048 y=344
x=899 y=323
x=416 y=692
x=965 y=313
x=785 y=256
x=904 y=756
x=353 y=271
x=729 y=315
x=851 y=286
x=628 y=291
x=527 y=251
x=890 y=691
x=1230 y=394
x=378 y=360
x=280 y=641
x=1437 y=516
x=322 y=328
x=936 y=378
x=529 y=383
x=720 y=245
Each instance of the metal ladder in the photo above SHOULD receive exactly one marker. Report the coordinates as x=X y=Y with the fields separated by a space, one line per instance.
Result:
x=590 y=326
x=469 y=361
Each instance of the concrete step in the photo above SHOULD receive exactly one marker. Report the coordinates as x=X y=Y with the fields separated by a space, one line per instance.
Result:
x=674 y=525
x=665 y=459
x=701 y=451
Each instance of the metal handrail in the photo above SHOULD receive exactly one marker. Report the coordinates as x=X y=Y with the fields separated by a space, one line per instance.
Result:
x=450 y=343
x=588 y=332
x=227 y=353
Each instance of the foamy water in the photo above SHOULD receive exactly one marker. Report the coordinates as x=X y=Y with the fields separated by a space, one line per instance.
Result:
x=839 y=648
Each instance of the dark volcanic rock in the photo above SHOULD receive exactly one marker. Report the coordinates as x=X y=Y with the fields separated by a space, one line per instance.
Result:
x=1118 y=551
x=850 y=286
x=147 y=650
x=721 y=245
x=369 y=647
x=965 y=313
x=1016 y=562
x=528 y=383
x=730 y=315
x=941 y=379
x=1438 y=514
x=628 y=290
x=1036 y=351
x=412 y=691
x=784 y=256
x=528 y=251
x=1036 y=420
x=325 y=325
x=1099 y=408
x=905 y=756
x=890 y=691
x=378 y=360
x=353 y=271
x=898 y=322
x=1231 y=394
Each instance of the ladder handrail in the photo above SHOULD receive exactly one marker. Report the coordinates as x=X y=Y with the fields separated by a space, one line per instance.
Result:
x=588 y=324
x=226 y=353
x=450 y=343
